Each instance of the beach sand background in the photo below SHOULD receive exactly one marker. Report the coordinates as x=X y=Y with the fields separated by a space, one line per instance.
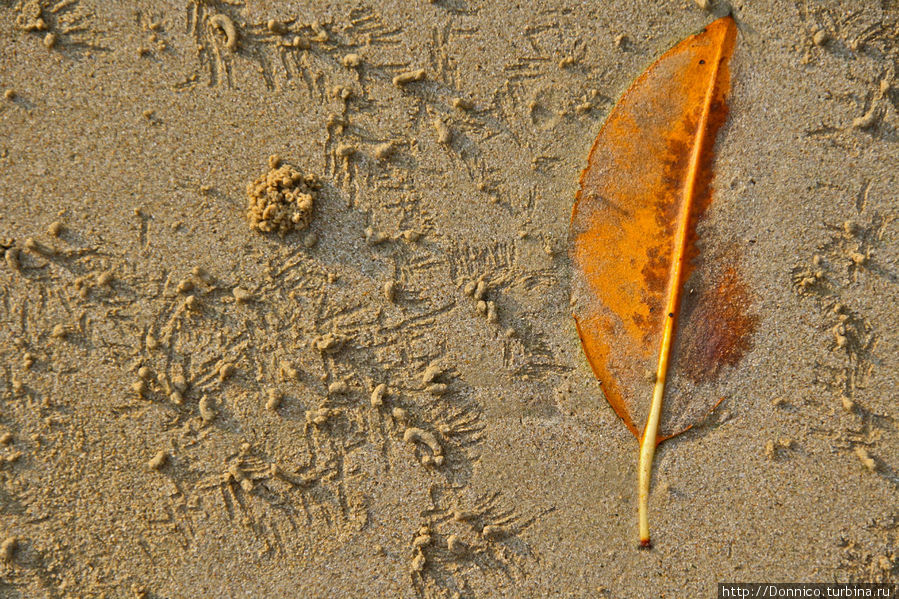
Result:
x=190 y=407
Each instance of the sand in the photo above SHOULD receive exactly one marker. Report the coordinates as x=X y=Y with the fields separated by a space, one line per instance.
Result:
x=390 y=398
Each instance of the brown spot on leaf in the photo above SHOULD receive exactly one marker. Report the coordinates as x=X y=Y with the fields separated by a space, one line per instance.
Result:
x=717 y=328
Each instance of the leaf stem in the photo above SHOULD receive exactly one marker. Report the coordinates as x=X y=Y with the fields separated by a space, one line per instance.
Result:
x=650 y=436
x=649 y=440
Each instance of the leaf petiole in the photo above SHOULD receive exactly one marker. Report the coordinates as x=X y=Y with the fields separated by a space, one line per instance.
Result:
x=647 y=453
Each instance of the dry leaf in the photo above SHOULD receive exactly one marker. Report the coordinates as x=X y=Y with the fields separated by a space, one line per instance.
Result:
x=655 y=321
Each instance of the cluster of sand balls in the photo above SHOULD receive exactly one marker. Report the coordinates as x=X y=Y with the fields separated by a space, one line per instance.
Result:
x=281 y=200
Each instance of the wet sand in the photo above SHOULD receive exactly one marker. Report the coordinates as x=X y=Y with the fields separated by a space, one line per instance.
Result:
x=383 y=393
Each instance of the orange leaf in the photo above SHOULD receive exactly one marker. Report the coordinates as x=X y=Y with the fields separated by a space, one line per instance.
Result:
x=647 y=182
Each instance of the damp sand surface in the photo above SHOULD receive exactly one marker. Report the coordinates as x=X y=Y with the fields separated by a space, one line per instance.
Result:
x=284 y=303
